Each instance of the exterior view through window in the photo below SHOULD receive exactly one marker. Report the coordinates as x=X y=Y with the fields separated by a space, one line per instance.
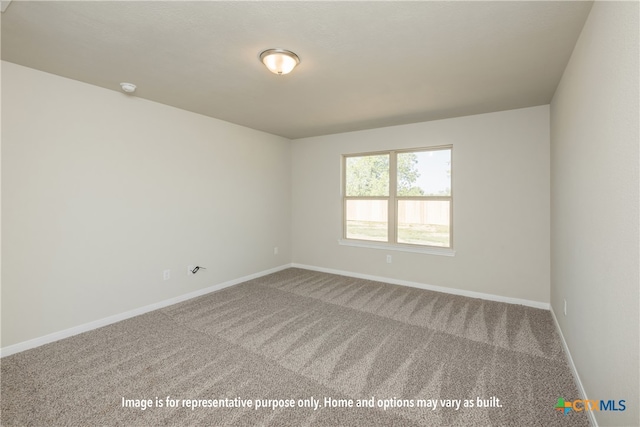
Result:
x=400 y=197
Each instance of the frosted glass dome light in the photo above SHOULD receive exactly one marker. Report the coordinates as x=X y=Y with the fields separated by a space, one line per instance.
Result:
x=279 y=61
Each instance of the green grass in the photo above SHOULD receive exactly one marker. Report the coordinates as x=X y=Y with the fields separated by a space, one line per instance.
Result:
x=424 y=234
x=367 y=230
x=416 y=234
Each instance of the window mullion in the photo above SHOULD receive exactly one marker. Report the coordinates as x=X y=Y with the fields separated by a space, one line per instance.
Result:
x=393 y=205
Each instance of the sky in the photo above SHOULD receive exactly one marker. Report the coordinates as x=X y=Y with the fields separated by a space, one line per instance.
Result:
x=433 y=167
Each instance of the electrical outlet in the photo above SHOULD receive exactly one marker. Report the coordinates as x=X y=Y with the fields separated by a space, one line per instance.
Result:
x=389 y=259
x=275 y=250
x=190 y=270
x=565 y=307
x=166 y=275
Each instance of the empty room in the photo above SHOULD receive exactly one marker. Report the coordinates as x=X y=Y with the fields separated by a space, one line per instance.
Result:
x=320 y=213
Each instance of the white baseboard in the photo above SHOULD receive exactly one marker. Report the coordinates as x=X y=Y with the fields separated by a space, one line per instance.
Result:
x=574 y=371
x=37 y=342
x=461 y=292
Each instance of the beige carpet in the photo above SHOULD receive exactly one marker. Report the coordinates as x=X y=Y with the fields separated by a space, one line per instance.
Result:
x=299 y=335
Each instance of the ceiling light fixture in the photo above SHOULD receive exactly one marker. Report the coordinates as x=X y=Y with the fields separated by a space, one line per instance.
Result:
x=128 y=87
x=279 y=61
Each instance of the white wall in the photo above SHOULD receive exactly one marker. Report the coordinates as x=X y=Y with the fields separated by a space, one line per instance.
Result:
x=595 y=208
x=501 y=204
x=102 y=191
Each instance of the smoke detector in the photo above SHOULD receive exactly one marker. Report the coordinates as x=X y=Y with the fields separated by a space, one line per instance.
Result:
x=128 y=87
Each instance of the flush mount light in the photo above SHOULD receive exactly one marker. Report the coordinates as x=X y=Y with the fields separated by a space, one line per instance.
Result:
x=128 y=87
x=279 y=61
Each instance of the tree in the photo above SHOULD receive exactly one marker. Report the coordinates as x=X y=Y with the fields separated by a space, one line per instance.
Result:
x=408 y=174
x=368 y=176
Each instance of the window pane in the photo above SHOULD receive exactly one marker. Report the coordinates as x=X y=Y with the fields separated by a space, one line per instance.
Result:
x=367 y=220
x=424 y=173
x=424 y=222
x=367 y=176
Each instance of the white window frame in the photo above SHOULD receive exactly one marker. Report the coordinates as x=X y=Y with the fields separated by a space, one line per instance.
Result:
x=392 y=204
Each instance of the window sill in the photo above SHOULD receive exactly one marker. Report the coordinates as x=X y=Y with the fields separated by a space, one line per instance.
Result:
x=396 y=247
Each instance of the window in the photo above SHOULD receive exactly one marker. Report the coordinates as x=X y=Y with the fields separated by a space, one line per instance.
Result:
x=399 y=197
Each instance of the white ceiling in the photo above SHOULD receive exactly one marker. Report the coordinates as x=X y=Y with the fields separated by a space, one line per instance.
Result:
x=364 y=64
